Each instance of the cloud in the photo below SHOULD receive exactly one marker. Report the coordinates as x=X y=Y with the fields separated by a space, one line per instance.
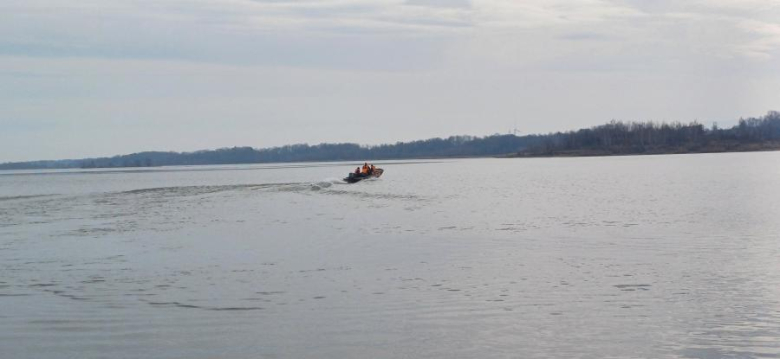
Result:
x=317 y=34
x=279 y=31
x=765 y=42
x=584 y=36
x=440 y=3
x=301 y=33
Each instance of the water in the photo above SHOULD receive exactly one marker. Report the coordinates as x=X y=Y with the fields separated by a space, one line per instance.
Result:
x=646 y=257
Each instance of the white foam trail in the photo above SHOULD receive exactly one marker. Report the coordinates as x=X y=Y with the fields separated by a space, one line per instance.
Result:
x=328 y=182
x=334 y=180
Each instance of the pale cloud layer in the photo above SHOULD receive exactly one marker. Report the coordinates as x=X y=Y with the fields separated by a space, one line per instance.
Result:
x=101 y=77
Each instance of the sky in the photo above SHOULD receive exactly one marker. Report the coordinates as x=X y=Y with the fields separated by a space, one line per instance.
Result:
x=95 y=78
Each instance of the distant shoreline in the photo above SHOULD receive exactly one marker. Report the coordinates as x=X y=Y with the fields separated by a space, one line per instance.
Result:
x=570 y=154
x=611 y=139
x=753 y=147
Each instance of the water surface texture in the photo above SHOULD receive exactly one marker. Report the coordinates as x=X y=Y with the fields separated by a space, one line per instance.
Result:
x=643 y=257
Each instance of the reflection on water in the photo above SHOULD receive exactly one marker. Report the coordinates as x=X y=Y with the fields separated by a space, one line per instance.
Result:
x=657 y=256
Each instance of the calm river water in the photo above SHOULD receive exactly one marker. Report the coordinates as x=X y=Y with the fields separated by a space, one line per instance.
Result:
x=622 y=257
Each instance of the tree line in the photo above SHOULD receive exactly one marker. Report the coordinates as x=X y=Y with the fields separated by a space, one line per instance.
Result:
x=615 y=137
x=454 y=146
x=619 y=137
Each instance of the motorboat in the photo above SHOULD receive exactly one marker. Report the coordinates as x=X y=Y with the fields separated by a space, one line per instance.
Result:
x=357 y=177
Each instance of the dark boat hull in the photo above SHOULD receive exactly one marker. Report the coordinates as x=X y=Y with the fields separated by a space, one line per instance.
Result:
x=354 y=177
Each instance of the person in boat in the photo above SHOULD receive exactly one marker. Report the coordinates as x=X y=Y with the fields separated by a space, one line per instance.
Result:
x=365 y=168
x=371 y=170
x=356 y=173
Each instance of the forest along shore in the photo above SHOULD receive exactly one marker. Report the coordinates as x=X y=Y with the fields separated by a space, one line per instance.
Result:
x=635 y=138
x=614 y=138
x=720 y=147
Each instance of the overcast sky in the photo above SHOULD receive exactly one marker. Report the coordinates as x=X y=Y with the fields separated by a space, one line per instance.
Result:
x=103 y=77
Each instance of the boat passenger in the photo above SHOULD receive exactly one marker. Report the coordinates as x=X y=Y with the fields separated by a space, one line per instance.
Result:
x=357 y=170
x=371 y=170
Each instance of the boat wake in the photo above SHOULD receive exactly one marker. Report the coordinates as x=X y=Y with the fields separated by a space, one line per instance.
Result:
x=326 y=183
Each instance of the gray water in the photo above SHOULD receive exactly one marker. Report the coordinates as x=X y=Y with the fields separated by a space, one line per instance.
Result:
x=621 y=257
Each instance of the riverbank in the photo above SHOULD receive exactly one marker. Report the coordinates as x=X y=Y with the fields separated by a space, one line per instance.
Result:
x=599 y=152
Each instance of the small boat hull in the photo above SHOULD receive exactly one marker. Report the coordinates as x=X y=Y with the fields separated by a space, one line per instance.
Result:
x=357 y=177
